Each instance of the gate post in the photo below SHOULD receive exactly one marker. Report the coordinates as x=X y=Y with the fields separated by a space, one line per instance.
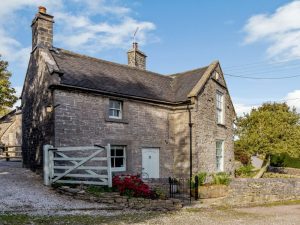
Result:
x=109 y=174
x=196 y=187
x=46 y=164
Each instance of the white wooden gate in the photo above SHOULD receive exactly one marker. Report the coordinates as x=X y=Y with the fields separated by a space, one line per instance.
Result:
x=68 y=165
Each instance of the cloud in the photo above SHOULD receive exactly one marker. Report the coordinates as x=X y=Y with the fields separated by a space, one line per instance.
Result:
x=83 y=34
x=18 y=94
x=90 y=26
x=281 y=30
x=80 y=30
x=12 y=49
x=293 y=99
x=242 y=109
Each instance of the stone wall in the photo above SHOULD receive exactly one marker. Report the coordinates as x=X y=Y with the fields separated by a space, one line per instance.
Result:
x=81 y=119
x=284 y=170
x=118 y=202
x=37 y=125
x=207 y=131
x=264 y=190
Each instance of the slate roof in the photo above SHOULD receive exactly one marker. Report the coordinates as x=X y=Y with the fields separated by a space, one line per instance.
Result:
x=100 y=75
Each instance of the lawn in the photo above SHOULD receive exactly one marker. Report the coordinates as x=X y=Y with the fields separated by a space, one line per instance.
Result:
x=281 y=213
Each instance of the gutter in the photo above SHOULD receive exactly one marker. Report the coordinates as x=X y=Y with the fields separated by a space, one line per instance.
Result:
x=191 y=147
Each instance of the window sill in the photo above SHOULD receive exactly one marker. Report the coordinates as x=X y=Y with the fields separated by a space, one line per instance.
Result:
x=120 y=169
x=221 y=125
x=113 y=120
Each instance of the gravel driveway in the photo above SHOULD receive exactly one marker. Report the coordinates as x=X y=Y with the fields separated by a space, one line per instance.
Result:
x=21 y=190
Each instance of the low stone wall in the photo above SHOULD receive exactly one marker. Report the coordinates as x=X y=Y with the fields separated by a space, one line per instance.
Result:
x=284 y=170
x=118 y=202
x=244 y=191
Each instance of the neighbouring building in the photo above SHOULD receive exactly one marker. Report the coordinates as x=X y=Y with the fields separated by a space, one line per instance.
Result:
x=11 y=128
x=70 y=99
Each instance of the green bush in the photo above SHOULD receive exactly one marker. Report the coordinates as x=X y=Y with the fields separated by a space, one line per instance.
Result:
x=201 y=179
x=245 y=171
x=221 y=178
x=98 y=190
x=283 y=160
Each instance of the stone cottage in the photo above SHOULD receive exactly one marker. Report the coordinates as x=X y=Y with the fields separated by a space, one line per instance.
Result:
x=70 y=99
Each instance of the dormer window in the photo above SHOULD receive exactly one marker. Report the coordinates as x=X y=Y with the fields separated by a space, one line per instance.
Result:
x=115 y=109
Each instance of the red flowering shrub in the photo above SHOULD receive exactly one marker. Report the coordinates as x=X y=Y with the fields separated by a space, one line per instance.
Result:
x=132 y=186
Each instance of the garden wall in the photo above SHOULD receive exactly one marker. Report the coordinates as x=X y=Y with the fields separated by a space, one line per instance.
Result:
x=244 y=191
x=284 y=170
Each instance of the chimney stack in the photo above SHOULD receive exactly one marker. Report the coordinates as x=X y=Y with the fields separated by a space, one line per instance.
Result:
x=42 y=29
x=136 y=58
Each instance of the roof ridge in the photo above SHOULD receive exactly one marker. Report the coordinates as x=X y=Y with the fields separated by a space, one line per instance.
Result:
x=108 y=62
x=187 y=71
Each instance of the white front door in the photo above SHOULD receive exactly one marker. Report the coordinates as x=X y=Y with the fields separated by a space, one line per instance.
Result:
x=150 y=162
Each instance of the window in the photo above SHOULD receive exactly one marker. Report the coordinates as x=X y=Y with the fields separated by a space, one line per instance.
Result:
x=220 y=155
x=115 y=109
x=118 y=158
x=220 y=108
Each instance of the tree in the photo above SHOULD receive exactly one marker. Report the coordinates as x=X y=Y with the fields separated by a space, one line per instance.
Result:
x=7 y=93
x=269 y=130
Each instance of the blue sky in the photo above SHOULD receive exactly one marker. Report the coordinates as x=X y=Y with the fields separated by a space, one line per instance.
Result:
x=250 y=38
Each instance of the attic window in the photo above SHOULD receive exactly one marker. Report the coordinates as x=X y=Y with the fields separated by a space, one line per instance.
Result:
x=115 y=109
x=217 y=75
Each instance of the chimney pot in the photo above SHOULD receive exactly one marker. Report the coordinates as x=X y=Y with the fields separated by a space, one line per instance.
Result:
x=42 y=9
x=135 y=45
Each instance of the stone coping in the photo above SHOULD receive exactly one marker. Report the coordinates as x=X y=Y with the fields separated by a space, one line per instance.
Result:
x=119 y=202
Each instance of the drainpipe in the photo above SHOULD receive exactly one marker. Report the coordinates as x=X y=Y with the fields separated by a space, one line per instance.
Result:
x=191 y=152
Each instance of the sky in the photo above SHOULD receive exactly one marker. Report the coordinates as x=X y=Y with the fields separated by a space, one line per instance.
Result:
x=257 y=42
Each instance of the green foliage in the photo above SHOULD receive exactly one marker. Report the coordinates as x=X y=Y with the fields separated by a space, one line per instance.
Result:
x=221 y=178
x=240 y=154
x=201 y=179
x=159 y=193
x=245 y=171
x=98 y=190
x=284 y=160
x=271 y=129
x=7 y=93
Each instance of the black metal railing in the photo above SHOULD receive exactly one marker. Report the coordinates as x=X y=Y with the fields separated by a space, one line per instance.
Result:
x=184 y=188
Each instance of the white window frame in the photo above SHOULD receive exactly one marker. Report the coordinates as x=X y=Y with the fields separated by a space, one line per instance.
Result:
x=220 y=158
x=114 y=108
x=113 y=157
x=220 y=107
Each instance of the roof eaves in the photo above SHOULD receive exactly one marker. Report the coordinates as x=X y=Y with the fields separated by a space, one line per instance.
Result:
x=197 y=88
x=64 y=86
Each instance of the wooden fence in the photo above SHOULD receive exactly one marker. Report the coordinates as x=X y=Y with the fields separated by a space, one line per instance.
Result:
x=77 y=165
x=11 y=152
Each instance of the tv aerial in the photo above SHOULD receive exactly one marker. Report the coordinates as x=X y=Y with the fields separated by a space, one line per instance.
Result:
x=134 y=35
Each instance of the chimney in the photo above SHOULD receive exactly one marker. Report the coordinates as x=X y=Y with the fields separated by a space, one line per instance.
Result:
x=136 y=58
x=42 y=29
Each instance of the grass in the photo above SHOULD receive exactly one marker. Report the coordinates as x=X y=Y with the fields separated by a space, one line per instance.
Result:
x=189 y=214
x=20 y=219
x=287 y=202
